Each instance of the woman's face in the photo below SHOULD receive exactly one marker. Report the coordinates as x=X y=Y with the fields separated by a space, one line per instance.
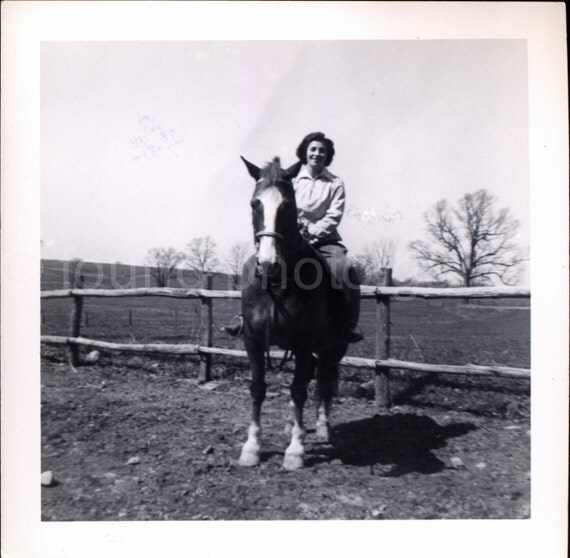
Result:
x=316 y=155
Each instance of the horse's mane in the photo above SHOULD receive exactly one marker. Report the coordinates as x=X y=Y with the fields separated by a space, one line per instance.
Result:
x=273 y=171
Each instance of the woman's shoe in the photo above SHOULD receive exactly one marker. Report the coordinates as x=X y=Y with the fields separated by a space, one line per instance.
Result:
x=235 y=327
x=353 y=334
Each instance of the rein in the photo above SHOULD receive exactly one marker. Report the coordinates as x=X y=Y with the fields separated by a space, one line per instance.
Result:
x=275 y=296
x=275 y=299
x=275 y=305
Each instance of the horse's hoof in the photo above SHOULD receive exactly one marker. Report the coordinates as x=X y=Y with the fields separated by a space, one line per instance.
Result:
x=248 y=459
x=293 y=462
x=322 y=432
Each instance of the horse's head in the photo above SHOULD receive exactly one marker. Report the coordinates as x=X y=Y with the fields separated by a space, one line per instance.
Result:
x=274 y=213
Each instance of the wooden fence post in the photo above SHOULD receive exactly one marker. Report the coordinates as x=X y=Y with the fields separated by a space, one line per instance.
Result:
x=75 y=329
x=382 y=375
x=205 y=372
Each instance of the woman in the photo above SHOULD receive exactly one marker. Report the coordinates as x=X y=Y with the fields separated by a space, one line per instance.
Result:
x=320 y=199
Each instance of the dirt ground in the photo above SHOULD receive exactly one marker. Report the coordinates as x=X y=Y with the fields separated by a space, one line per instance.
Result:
x=133 y=438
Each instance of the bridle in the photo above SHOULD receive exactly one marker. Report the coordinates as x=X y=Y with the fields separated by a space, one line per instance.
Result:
x=272 y=234
x=275 y=292
x=281 y=238
x=278 y=236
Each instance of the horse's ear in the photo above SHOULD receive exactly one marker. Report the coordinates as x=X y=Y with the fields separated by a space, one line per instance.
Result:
x=293 y=170
x=254 y=171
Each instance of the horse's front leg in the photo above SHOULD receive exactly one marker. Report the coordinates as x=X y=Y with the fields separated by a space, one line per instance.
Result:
x=327 y=386
x=251 y=450
x=295 y=453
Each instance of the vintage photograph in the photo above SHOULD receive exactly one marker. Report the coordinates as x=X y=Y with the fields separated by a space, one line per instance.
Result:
x=302 y=177
x=284 y=277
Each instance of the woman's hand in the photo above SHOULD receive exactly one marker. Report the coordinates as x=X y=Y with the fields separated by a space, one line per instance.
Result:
x=303 y=228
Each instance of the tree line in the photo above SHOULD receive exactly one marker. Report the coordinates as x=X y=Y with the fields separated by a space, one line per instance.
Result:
x=470 y=244
x=200 y=257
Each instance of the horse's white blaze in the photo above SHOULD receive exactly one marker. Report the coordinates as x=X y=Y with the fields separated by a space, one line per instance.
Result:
x=271 y=200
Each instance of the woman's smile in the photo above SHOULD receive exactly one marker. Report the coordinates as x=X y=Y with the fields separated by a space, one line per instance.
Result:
x=316 y=155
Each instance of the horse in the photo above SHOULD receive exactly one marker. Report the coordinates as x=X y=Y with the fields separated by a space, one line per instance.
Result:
x=288 y=300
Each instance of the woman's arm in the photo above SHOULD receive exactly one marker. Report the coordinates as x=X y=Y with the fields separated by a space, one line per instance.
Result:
x=328 y=224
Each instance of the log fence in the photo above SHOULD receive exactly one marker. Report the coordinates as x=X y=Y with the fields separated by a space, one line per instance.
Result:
x=382 y=364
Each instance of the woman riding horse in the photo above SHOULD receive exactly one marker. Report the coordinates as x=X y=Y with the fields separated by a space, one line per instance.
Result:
x=320 y=199
x=289 y=299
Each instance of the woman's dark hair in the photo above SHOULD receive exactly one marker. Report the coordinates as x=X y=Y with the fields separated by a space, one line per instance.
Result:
x=315 y=136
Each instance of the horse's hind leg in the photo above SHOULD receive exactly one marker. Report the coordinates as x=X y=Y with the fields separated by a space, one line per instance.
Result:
x=295 y=453
x=327 y=382
x=251 y=450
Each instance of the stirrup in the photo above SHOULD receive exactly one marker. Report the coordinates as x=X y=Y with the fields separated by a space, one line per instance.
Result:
x=235 y=327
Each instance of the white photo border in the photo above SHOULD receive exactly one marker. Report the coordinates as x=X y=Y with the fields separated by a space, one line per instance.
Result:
x=26 y=24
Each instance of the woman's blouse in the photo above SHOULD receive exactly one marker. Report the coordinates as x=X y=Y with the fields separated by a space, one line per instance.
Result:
x=320 y=204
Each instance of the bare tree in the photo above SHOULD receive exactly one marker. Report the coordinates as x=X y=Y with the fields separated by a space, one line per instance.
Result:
x=376 y=256
x=239 y=252
x=162 y=263
x=473 y=241
x=201 y=256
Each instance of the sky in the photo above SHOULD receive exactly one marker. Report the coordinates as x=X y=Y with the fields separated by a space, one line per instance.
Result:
x=141 y=141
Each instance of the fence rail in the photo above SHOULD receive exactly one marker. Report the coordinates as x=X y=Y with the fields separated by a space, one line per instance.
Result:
x=382 y=364
x=356 y=362
x=366 y=292
x=144 y=291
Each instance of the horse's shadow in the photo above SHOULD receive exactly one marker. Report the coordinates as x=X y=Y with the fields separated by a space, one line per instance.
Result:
x=399 y=444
